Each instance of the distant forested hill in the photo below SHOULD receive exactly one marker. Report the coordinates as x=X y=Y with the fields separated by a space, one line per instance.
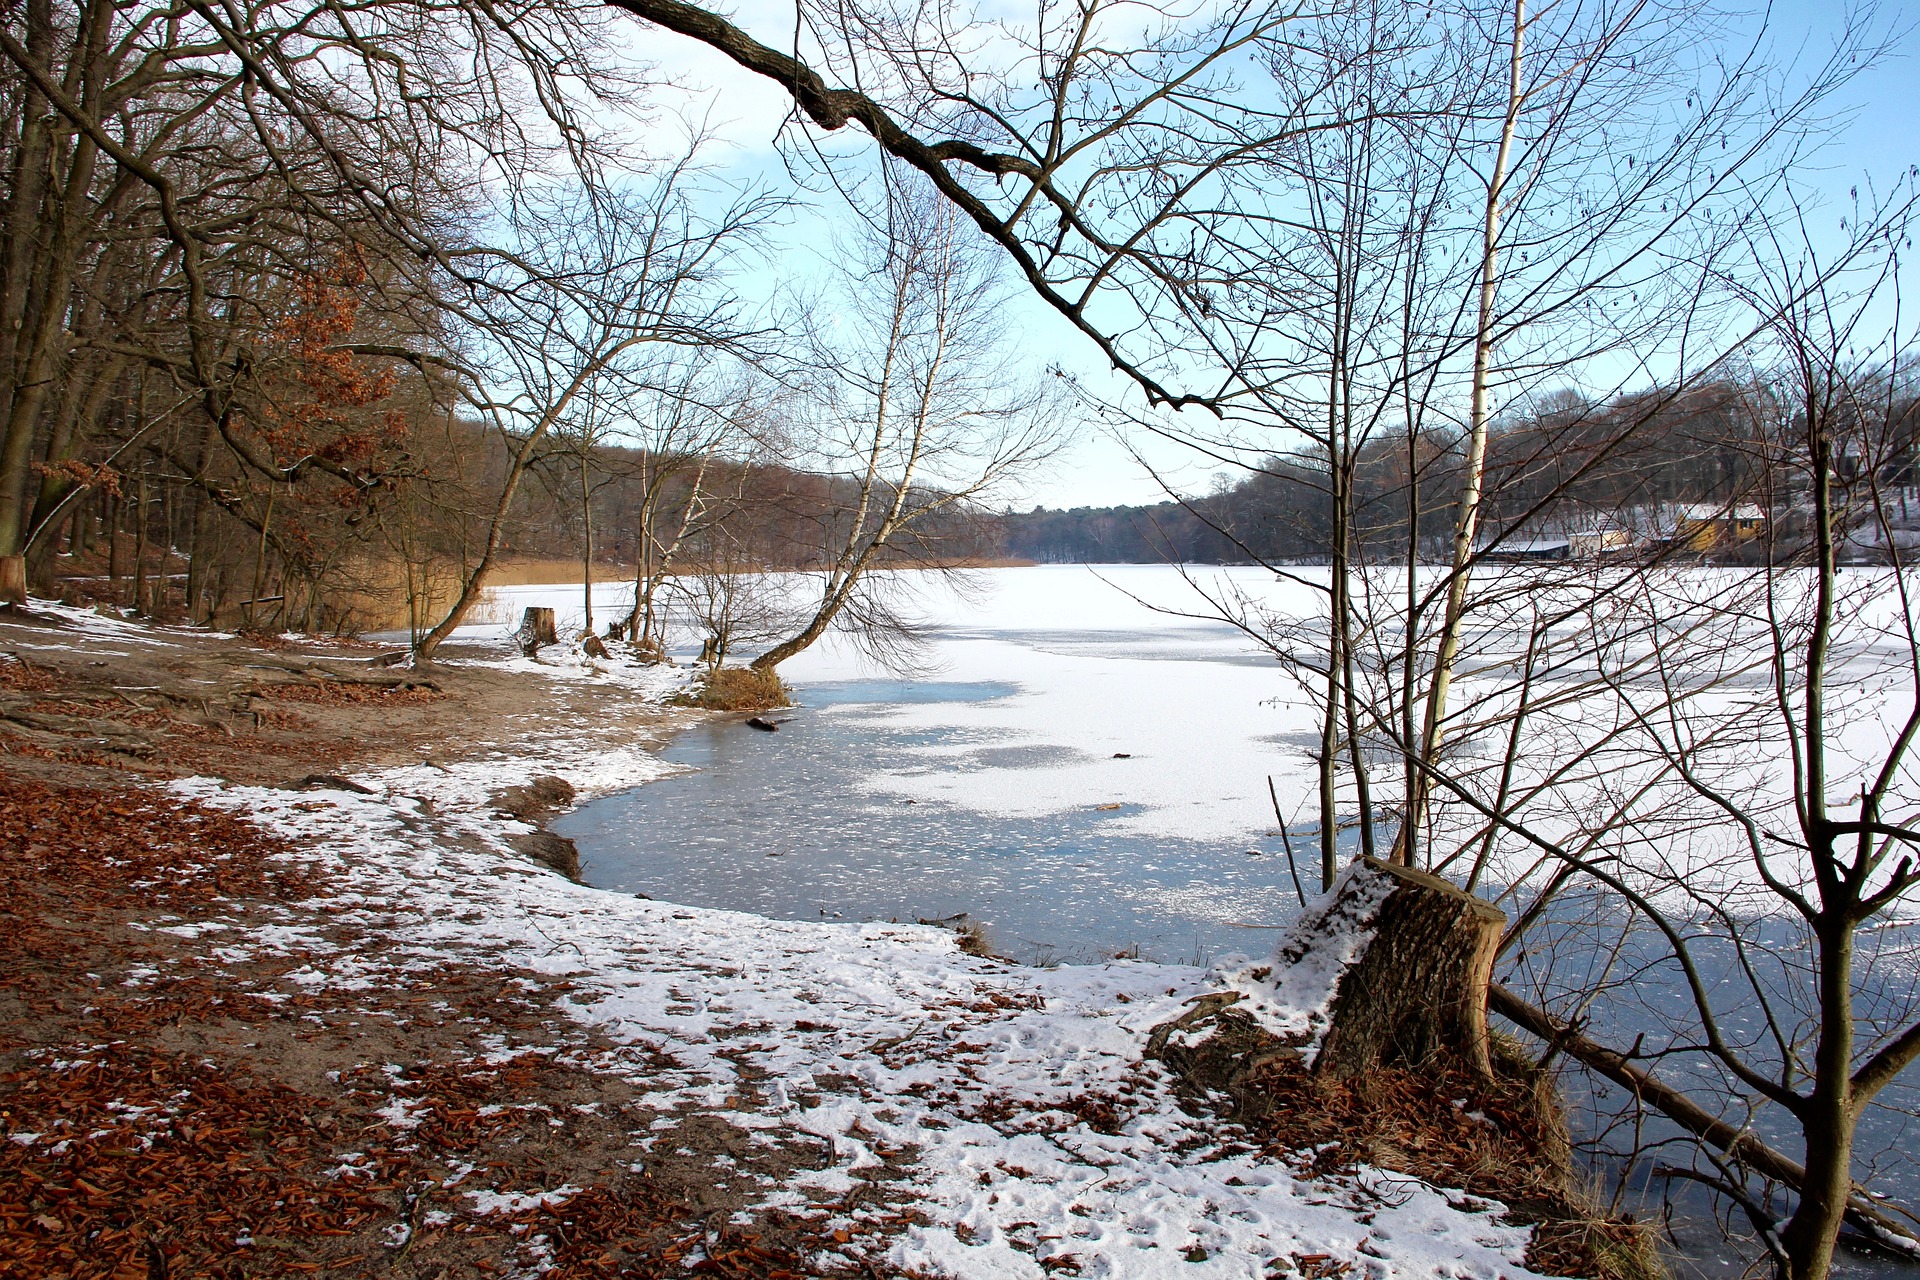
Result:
x=1276 y=513
x=1562 y=467
x=1115 y=535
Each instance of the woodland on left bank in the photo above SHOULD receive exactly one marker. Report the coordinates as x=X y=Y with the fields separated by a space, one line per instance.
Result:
x=310 y=315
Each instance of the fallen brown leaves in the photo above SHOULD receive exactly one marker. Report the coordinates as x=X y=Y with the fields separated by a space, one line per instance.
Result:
x=78 y=847
x=18 y=674
x=68 y=756
x=652 y=1241
x=340 y=693
x=161 y=722
x=136 y=1158
x=150 y=1164
x=143 y=1157
x=123 y=734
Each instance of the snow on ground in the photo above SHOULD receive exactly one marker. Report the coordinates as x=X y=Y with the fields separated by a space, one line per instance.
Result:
x=1015 y=1097
x=592 y=765
x=571 y=662
x=98 y=624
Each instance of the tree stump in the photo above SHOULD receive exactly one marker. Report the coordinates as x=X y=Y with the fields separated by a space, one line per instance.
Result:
x=1419 y=987
x=13 y=580
x=1390 y=968
x=536 y=629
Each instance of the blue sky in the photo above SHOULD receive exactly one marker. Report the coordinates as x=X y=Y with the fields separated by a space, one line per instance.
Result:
x=1881 y=139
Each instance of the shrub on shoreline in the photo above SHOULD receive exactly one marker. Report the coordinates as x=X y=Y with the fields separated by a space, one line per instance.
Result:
x=737 y=689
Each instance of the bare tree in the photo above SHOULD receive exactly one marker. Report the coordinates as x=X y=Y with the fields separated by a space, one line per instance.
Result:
x=686 y=424
x=581 y=466
x=730 y=596
x=1822 y=825
x=594 y=279
x=920 y=413
x=1392 y=277
x=1092 y=157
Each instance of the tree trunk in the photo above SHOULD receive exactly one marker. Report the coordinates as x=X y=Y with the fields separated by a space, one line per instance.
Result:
x=259 y=565
x=196 y=559
x=1390 y=969
x=642 y=628
x=114 y=506
x=773 y=657
x=24 y=253
x=475 y=583
x=586 y=547
x=1467 y=524
x=140 y=545
x=1828 y=1118
x=1328 y=760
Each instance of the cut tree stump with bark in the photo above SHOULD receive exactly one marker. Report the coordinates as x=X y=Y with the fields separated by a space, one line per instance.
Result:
x=536 y=629
x=13 y=580
x=1389 y=968
x=1419 y=987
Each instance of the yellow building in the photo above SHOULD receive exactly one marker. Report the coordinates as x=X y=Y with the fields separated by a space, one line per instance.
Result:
x=1706 y=526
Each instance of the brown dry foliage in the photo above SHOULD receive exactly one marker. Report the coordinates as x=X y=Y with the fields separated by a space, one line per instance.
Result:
x=160 y=721
x=1505 y=1142
x=167 y=1153
x=738 y=689
x=18 y=674
x=169 y=1163
x=124 y=850
x=339 y=693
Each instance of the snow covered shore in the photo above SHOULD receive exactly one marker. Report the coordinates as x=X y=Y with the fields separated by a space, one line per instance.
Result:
x=973 y=1119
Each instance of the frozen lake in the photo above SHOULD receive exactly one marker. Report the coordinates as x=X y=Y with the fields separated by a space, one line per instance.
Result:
x=789 y=825
x=1085 y=778
x=1080 y=773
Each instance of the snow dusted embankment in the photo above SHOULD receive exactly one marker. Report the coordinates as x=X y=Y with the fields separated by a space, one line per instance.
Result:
x=1017 y=1130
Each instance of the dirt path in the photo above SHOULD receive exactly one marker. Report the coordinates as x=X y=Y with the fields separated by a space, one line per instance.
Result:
x=83 y=697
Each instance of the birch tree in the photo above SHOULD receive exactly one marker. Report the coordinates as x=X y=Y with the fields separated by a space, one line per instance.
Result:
x=919 y=413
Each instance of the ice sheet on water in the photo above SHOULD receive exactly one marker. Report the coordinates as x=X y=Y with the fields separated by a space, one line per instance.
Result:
x=1058 y=656
x=783 y=825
